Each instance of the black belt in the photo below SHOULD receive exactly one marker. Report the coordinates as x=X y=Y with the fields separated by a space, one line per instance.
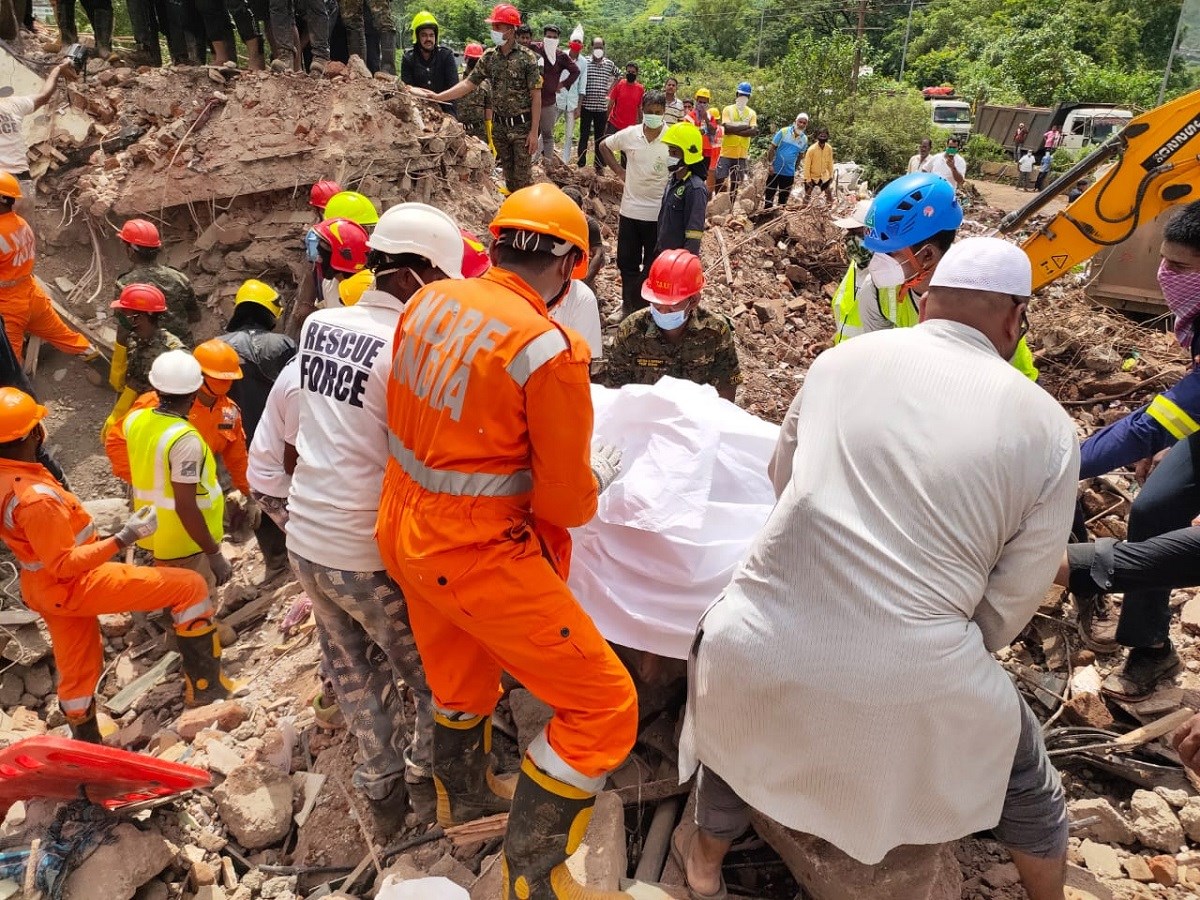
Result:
x=509 y=121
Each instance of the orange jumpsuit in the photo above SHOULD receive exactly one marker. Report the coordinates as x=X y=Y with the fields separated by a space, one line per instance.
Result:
x=66 y=576
x=23 y=304
x=220 y=426
x=490 y=425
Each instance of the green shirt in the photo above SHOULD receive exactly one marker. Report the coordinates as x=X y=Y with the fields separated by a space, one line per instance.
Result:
x=141 y=355
x=641 y=355
x=513 y=78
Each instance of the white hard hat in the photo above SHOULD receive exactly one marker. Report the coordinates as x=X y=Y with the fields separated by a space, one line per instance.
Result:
x=423 y=230
x=176 y=373
x=985 y=264
x=856 y=219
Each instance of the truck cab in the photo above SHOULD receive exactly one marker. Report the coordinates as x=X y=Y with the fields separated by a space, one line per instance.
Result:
x=948 y=111
x=1086 y=126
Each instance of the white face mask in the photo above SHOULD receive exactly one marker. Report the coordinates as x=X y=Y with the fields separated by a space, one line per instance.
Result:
x=598 y=53
x=652 y=121
x=741 y=102
x=551 y=46
x=329 y=293
x=885 y=271
x=497 y=37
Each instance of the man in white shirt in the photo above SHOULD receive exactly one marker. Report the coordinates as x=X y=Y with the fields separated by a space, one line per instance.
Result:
x=580 y=311
x=342 y=447
x=646 y=176
x=273 y=450
x=14 y=157
x=950 y=164
x=920 y=161
x=844 y=683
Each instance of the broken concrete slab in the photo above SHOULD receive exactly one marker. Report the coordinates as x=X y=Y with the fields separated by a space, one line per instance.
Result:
x=117 y=869
x=1112 y=827
x=224 y=715
x=826 y=873
x=255 y=803
x=1155 y=823
x=600 y=862
x=1100 y=859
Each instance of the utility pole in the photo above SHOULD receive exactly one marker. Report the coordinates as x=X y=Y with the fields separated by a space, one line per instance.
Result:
x=858 y=39
x=907 y=30
x=762 y=14
x=1162 y=91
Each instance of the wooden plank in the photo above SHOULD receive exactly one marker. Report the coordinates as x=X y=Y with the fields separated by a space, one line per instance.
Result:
x=251 y=612
x=479 y=830
x=653 y=791
x=1154 y=730
x=124 y=699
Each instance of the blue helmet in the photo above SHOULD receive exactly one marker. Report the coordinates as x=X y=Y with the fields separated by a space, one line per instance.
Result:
x=744 y=88
x=910 y=210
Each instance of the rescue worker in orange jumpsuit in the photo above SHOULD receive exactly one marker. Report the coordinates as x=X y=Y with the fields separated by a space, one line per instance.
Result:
x=67 y=577
x=23 y=304
x=490 y=424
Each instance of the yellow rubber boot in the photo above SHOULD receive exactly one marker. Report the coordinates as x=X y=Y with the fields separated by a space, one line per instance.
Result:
x=467 y=789
x=204 y=680
x=546 y=825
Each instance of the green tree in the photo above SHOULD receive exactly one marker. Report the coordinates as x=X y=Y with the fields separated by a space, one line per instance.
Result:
x=883 y=152
x=814 y=76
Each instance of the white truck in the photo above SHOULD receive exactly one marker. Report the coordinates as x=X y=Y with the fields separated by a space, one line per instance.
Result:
x=948 y=111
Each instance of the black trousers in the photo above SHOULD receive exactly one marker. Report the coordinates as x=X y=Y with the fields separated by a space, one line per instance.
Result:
x=781 y=184
x=635 y=252
x=1168 y=501
x=1162 y=563
x=271 y=541
x=591 y=123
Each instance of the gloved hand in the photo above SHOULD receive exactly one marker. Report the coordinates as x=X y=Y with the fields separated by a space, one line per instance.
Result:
x=487 y=129
x=222 y=569
x=606 y=465
x=141 y=524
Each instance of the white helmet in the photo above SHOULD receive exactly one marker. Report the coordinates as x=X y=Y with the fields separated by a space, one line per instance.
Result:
x=176 y=373
x=423 y=230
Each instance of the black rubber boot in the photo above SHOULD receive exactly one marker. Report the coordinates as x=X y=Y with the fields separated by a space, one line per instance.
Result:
x=204 y=681
x=87 y=728
x=462 y=774
x=546 y=825
x=102 y=27
x=387 y=52
x=64 y=13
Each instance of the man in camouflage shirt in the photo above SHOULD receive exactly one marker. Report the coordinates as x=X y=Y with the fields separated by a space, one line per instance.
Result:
x=674 y=336
x=516 y=83
x=143 y=246
x=143 y=351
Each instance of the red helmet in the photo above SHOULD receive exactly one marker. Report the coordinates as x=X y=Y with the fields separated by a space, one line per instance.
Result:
x=322 y=191
x=346 y=243
x=504 y=14
x=675 y=275
x=475 y=256
x=141 y=298
x=140 y=233
x=473 y=51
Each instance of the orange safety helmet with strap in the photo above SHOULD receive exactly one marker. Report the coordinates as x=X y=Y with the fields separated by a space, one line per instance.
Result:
x=140 y=233
x=9 y=186
x=346 y=243
x=19 y=413
x=141 y=298
x=544 y=209
x=675 y=276
x=218 y=360
x=504 y=14
x=322 y=192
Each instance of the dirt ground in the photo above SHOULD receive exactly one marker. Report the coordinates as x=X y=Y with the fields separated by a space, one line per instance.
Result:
x=1009 y=198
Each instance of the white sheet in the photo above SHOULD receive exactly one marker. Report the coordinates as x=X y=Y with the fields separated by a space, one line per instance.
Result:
x=692 y=494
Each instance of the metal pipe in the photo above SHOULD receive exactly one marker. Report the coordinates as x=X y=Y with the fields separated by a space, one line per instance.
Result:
x=658 y=840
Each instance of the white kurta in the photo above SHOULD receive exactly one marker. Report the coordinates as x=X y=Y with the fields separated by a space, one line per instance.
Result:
x=844 y=684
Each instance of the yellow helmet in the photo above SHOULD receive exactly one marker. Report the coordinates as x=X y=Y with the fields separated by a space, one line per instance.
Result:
x=424 y=19
x=703 y=94
x=351 y=289
x=353 y=206
x=687 y=138
x=255 y=291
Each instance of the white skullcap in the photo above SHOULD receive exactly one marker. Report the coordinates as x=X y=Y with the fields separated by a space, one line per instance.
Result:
x=856 y=219
x=802 y=115
x=985 y=264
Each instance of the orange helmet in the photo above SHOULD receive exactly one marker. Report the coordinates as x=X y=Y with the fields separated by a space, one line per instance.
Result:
x=218 y=360
x=475 y=256
x=473 y=51
x=544 y=209
x=140 y=233
x=18 y=414
x=675 y=275
x=320 y=193
x=346 y=242
x=141 y=298
x=9 y=186
x=504 y=14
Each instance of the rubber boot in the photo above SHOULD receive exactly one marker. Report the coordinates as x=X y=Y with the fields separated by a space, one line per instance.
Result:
x=389 y=812
x=284 y=61
x=64 y=13
x=203 y=678
x=86 y=728
x=356 y=42
x=387 y=52
x=462 y=775
x=545 y=826
x=256 y=59
x=102 y=26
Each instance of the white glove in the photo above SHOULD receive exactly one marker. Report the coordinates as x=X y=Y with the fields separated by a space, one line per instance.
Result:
x=141 y=524
x=606 y=465
x=222 y=569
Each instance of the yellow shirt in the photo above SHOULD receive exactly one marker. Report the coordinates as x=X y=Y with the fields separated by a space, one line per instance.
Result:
x=737 y=147
x=818 y=162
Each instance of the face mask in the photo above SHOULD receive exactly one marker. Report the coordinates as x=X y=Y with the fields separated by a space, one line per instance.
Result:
x=597 y=53
x=675 y=164
x=631 y=77
x=741 y=102
x=312 y=246
x=330 y=293
x=652 y=121
x=857 y=253
x=668 y=321
x=551 y=47
x=497 y=38
x=950 y=151
x=217 y=387
x=1181 y=290
x=885 y=271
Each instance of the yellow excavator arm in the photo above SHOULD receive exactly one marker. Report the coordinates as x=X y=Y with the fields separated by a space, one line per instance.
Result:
x=1157 y=166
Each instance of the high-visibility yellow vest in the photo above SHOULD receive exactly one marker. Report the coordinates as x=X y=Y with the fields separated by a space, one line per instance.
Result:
x=902 y=313
x=150 y=435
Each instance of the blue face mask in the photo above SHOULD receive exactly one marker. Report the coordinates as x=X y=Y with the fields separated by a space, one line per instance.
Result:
x=312 y=246
x=668 y=321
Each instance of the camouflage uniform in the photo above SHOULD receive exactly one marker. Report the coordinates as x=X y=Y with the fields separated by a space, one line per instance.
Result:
x=513 y=79
x=182 y=308
x=640 y=355
x=141 y=355
x=366 y=641
x=472 y=110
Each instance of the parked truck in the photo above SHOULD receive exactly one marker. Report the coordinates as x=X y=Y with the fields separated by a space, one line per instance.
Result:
x=1081 y=124
x=948 y=111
